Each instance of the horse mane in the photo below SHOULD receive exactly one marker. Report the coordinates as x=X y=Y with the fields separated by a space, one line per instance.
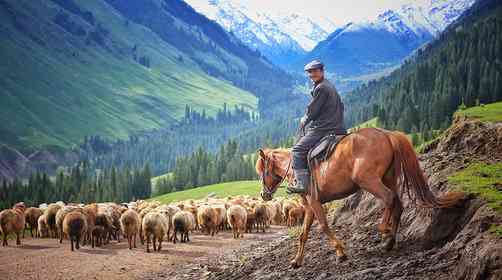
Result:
x=259 y=165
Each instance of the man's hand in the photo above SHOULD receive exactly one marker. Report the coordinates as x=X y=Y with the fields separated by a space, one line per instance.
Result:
x=302 y=121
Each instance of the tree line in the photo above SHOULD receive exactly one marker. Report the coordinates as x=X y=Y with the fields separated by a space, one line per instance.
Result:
x=202 y=168
x=161 y=148
x=79 y=184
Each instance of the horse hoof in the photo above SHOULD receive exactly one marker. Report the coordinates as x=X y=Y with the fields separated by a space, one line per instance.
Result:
x=388 y=243
x=295 y=264
x=341 y=259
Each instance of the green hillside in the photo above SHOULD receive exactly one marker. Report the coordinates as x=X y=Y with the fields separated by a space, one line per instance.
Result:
x=487 y=113
x=251 y=188
x=69 y=71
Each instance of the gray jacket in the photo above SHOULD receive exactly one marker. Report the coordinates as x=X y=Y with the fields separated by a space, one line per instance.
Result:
x=325 y=110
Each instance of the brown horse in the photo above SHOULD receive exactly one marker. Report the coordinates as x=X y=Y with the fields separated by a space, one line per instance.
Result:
x=375 y=160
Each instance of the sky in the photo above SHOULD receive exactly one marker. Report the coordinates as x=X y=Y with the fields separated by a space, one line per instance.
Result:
x=338 y=11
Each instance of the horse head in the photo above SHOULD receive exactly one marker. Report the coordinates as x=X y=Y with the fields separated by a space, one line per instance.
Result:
x=267 y=167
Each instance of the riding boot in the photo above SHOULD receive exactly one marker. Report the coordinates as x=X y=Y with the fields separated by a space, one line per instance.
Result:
x=302 y=182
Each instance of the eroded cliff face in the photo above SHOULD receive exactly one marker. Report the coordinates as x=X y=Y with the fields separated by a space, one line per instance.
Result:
x=450 y=243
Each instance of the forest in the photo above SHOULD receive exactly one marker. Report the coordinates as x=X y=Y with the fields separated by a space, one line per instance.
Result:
x=79 y=184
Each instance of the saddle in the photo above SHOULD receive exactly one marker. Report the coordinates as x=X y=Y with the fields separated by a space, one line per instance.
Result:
x=324 y=148
x=319 y=153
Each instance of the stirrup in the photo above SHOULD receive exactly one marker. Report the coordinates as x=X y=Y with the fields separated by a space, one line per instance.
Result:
x=302 y=182
x=294 y=189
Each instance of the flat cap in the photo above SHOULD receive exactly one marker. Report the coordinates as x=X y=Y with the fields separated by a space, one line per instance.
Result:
x=314 y=64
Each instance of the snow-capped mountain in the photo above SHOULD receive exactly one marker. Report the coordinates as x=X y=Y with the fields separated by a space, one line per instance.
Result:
x=430 y=18
x=372 y=45
x=280 y=37
x=361 y=47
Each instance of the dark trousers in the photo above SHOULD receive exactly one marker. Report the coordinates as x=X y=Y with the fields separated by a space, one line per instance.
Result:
x=302 y=147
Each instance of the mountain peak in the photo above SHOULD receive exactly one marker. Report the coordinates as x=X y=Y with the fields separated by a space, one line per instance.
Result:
x=282 y=37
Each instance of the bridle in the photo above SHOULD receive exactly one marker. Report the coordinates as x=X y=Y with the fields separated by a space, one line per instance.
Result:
x=270 y=190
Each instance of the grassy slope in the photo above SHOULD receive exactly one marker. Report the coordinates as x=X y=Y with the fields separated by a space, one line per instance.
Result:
x=160 y=177
x=482 y=179
x=486 y=113
x=51 y=97
x=251 y=188
x=369 y=123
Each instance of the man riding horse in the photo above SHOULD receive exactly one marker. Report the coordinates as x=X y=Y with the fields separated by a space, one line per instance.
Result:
x=378 y=161
x=325 y=116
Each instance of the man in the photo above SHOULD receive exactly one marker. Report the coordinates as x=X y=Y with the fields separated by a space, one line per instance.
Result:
x=325 y=115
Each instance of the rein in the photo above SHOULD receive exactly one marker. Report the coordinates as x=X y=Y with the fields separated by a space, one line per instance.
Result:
x=265 y=172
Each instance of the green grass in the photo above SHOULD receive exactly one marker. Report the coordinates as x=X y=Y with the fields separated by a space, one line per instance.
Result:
x=156 y=179
x=221 y=190
x=160 y=177
x=482 y=179
x=487 y=113
x=485 y=181
x=61 y=90
x=496 y=230
x=369 y=123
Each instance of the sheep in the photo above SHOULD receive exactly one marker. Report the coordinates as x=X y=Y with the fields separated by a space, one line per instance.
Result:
x=105 y=222
x=261 y=216
x=221 y=214
x=276 y=218
x=207 y=219
x=90 y=211
x=43 y=229
x=271 y=213
x=75 y=227
x=31 y=216
x=183 y=222
x=169 y=211
x=60 y=215
x=251 y=220
x=193 y=209
x=142 y=214
x=51 y=212
x=287 y=205
x=237 y=218
x=129 y=222
x=12 y=221
x=98 y=235
x=296 y=216
x=154 y=226
x=113 y=211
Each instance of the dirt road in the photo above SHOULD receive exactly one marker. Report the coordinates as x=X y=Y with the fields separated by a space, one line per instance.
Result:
x=47 y=259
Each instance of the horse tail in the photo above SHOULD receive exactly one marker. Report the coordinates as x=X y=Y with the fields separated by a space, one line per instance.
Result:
x=413 y=181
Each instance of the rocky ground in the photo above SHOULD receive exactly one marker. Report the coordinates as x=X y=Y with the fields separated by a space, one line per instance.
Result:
x=47 y=259
x=432 y=244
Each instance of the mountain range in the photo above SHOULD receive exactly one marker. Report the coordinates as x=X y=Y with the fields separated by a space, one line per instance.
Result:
x=281 y=37
x=361 y=48
x=354 y=51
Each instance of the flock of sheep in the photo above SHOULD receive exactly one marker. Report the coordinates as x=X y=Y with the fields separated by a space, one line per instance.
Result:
x=98 y=223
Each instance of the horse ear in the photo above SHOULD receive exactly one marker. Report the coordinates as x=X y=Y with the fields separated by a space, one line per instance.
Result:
x=261 y=153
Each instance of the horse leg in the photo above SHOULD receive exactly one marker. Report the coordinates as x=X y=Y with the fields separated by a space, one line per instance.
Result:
x=323 y=221
x=307 y=223
x=392 y=208
x=390 y=181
